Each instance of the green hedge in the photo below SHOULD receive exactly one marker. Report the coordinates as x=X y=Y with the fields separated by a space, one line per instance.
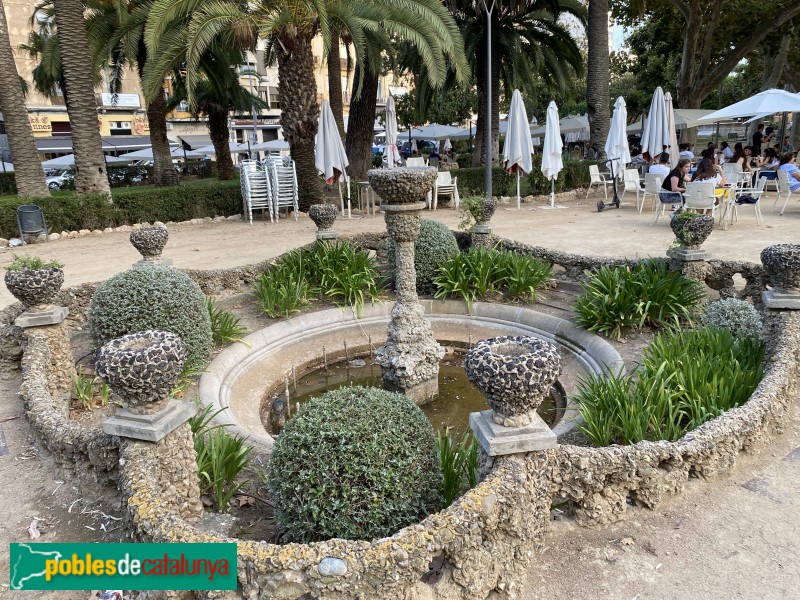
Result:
x=7 y=183
x=67 y=212
x=575 y=174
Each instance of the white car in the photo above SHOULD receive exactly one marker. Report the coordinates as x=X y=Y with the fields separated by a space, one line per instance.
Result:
x=60 y=181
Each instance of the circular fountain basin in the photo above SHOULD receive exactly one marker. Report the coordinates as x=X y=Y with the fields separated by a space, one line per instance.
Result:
x=240 y=376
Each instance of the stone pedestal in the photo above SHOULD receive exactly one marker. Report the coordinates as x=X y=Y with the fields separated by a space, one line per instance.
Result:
x=782 y=266
x=323 y=215
x=497 y=440
x=481 y=234
x=52 y=315
x=410 y=357
x=152 y=427
x=146 y=262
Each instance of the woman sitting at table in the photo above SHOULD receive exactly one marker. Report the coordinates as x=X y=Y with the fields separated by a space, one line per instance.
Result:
x=788 y=164
x=676 y=180
x=770 y=161
x=708 y=171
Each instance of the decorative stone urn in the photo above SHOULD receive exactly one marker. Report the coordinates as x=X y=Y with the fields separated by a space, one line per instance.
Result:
x=488 y=206
x=142 y=368
x=782 y=266
x=410 y=357
x=323 y=216
x=693 y=231
x=150 y=242
x=482 y=229
x=35 y=288
x=515 y=374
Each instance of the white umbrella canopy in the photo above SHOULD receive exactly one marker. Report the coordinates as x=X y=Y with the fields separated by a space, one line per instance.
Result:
x=434 y=131
x=517 y=149
x=655 y=136
x=552 y=161
x=329 y=155
x=235 y=148
x=463 y=133
x=571 y=124
x=147 y=154
x=271 y=146
x=391 y=154
x=674 y=154
x=684 y=118
x=764 y=103
x=68 y=160
x=617 y=142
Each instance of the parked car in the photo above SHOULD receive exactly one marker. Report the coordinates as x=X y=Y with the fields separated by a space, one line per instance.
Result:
x=61 y=181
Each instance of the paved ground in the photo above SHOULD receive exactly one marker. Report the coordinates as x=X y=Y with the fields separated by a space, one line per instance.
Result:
x=731 y=538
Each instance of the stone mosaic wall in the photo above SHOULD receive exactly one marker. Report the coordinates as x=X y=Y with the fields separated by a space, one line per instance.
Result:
x=478 y=548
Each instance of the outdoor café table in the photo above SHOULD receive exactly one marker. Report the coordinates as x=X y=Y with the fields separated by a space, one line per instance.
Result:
x=726 y=195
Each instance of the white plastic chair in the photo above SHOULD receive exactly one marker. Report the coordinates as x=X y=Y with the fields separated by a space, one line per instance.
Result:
x=631 y=183
x=652 y=187
x=256 y=190
x=731 y=171
x=756 y=193
x=416 y=162
x=784 y=188
x=597 y=178
x=700 y=196
x=666 y=199
x=446 y=185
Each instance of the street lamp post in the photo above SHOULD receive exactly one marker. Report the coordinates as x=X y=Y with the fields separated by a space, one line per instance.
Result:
x=488 y=142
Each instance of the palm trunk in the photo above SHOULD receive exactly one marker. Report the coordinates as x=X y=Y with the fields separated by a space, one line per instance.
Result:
x=335 y=82
x=597 y=85
x=299 y=111
x=90 y=166
x=220 y=135
x=28 y=173
x=163 y=172
x=361 y=122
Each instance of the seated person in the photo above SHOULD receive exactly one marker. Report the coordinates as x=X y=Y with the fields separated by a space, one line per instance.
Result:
x=685 y=151
x=770 y=161
x=787 y=145
x=788 y=164
x=726 y=151
x=709 y=154
x=434 y=154
x=662 y=167
x=708 y=171
x=676 y=180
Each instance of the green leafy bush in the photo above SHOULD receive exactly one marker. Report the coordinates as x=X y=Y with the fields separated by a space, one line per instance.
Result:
x=356 y=463
x=339 y=271
x=622 y=298
x=32 y=263
x=459 y=461
x=66 y=212
x=737 y=316
x=151 y=298
x=481 y=272
x=435 y=245
x=225 y=326
x=685 y=379
x=221 y=458
x=472 y=181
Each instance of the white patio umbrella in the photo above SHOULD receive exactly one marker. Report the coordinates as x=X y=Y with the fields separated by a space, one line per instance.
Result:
x=616 y=146
x=329 y=155
x=271 y=146
x=552 y=162
x=571 y=124
x=674 y=154
x=655 y=135
x=684 y=118
x=391 y=154
x=68 y=160
x=764 y=103
x=147 y=154
x=434 y=131
x=518 y=149
x=235 y=148
x=463 y=133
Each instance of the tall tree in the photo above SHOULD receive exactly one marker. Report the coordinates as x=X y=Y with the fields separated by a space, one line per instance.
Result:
x=90 y=167
x=529 y=43
x=28 y=173
x=598 y=98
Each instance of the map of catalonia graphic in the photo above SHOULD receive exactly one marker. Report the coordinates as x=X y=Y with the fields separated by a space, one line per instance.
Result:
x=30 y=564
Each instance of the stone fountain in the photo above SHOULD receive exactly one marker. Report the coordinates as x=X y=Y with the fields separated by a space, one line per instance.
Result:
x=410 y=357
x=515 y=374
x=782 y=267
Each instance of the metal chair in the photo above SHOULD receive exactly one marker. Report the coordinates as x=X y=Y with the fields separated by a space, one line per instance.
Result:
x=597 y=178
x=256 y=190
x=284 y=186
x=31 y=221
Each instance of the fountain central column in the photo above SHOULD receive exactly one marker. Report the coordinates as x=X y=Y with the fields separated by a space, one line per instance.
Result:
x=410 y=357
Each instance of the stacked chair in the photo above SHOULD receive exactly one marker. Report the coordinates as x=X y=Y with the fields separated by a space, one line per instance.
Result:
x=270 y=186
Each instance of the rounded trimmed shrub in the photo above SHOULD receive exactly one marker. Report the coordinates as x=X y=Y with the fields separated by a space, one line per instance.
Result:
x=146 y=298
x=435 y=246
x=739 y=317
x=357 y=463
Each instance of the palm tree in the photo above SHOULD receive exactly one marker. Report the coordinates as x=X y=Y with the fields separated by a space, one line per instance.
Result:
x=215 y=95
x=28 y=173
x=116 y=37
x=190 y=28
x=90 y=166
x=598 y=93
x=528 y=43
